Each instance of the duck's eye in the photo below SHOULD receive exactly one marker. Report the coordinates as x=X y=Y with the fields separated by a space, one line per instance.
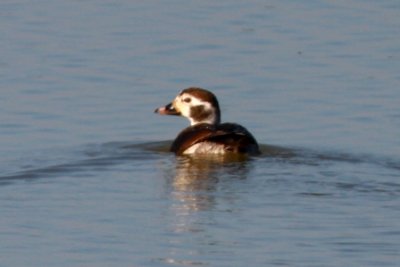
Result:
x=187 y=99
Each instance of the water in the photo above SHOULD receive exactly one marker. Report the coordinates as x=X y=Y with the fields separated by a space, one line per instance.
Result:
x=85 y=179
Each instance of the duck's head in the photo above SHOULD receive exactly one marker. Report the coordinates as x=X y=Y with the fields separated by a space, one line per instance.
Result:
x=196 y=104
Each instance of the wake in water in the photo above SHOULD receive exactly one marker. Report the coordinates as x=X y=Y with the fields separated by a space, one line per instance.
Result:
x=99 y=157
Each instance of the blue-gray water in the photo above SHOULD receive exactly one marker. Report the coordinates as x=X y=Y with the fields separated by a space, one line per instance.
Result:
x=84 y=176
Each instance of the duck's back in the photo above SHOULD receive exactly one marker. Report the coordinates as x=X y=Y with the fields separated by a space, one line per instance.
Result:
x=217 y=139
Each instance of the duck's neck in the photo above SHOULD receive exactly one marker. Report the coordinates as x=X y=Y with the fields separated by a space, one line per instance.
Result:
x=212 y=120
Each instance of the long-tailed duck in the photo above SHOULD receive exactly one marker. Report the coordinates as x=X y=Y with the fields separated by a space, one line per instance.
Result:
x=206 y=135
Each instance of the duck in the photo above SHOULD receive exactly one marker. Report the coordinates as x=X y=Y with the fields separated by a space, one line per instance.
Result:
x=206 y=134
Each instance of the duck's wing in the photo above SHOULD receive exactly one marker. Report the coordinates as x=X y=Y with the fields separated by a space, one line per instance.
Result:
x=234 y=137
x=190 y=136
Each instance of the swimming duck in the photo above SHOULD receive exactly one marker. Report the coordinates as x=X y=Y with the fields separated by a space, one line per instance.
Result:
x=206 y=134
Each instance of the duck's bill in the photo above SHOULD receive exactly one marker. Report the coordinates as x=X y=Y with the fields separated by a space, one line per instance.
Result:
x=167 y=110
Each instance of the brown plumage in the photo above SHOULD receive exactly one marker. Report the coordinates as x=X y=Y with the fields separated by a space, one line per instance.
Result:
x=206 y=134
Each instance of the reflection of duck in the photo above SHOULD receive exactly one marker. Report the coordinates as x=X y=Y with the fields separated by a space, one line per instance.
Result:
x=206 y=135
x=194 y=179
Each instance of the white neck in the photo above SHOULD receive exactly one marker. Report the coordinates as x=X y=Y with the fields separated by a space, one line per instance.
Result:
x=211 y=120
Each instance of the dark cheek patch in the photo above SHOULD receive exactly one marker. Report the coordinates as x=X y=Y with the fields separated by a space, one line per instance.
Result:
x=199 y=113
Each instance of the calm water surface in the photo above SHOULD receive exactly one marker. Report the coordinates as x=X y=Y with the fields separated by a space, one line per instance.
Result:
x=85 y=176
